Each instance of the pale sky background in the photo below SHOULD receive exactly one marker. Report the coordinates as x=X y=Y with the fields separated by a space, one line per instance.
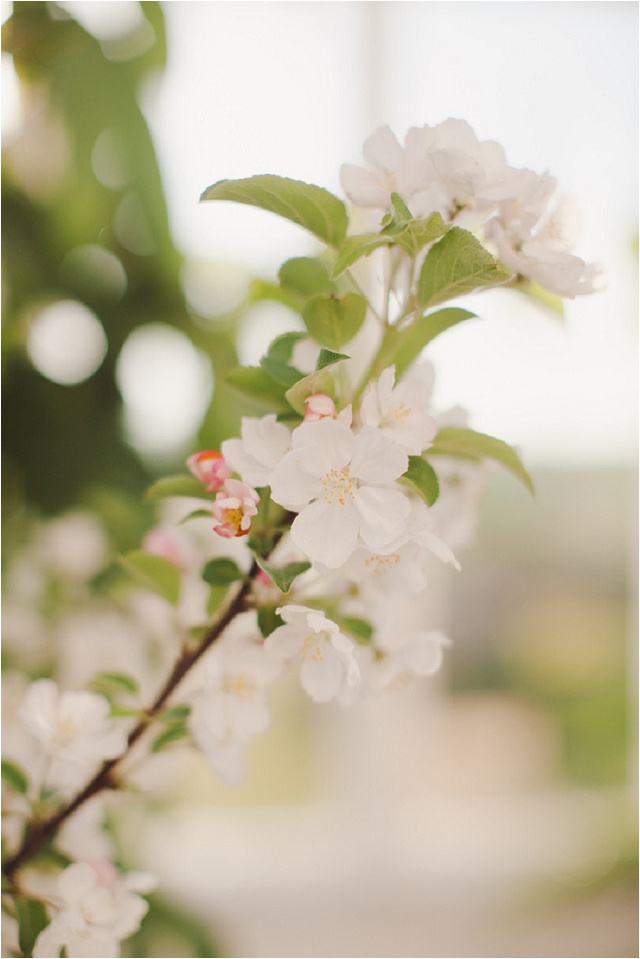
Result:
x=294 y=88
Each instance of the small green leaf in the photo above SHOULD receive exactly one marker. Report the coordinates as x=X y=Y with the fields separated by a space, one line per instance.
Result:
x=283 y=576
x=180 y=485
x=268 y=620
x=333 y=321
x=217 y=596
x=355 y=247
x=32 y=918
x=305 y=276
x=456 y=265
x=120 y=712
x=360 y=629
x=176 y=713
x=310 y=206
x=468 y=444
x=421 y=476
x=196 y=514
x=127 y=683
x=282 y=347
x=14 y=776
x=281 y=372
x=153 y=572
x=221 y=572
x=170 y=735
x=256 y=384
x=319 y=382
x=410 y=233
x=402 y=347
x=260 y=290
x=328 y=358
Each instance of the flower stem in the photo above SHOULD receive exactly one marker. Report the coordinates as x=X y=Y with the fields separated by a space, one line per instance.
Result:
x=41 y=832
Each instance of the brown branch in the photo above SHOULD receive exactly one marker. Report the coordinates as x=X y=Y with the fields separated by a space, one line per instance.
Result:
x=40 y=833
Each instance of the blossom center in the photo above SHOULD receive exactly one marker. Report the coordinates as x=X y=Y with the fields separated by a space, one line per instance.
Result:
x=337 y=485
x=382 y=564
x=238 y=685
x=311 y=646
x=233 y=520
x=399 y=414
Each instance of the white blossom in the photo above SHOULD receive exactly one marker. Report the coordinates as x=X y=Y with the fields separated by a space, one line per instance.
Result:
x=340 y=484
x=97 y=908
x=74 y=728
x=420 y=655
x=400 y=411
x=264 y=442
x=329 y=668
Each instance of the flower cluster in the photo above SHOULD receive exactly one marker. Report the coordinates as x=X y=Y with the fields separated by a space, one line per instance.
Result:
x=310 y=541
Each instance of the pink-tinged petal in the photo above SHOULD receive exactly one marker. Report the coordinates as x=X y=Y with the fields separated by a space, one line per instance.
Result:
x=318 y=406
x=321 y=677
x=326 y=533
x=383 y=515
x=241 y=490
x=363 y=188
x=377 y=459
x=291 y=486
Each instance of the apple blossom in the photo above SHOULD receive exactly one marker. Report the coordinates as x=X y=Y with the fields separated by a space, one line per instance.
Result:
x=97 y=908
x=399 y=411
x=233 y=508
x=210 y=468
x=340 y=485
x=328 y=664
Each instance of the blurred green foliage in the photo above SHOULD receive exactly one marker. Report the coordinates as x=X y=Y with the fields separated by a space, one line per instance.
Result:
x=63 y=445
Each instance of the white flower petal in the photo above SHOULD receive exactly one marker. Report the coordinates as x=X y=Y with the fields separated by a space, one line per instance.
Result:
x=383 y=514
x=322 y=678
x=326 y=532
x=377 y=459
x=363 y=188
x=291 y=486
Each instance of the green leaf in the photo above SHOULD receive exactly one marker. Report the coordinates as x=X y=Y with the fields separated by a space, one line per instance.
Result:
x=355 y=247
x=282 y=347
x=319 y=382
x=127 y=683
x=176 y=713
x=268 y=620
x=328 y=358
x=421 y=476
x=260 y=290
x=196 y=514
x=217 y=596
x=221 y=572
x=170 y=735
x=14 y=776
x=456 y=265
x=118 y=712
x=281 y=372
x=310 y=206
x=467 y=444
x=410 y=233
x=32 y=918
x=402 y=347
x=256 y=384
x=333 y=321
x=306 y=276
x=360 y=629
x=283 y=576
x=180 y=485
x=153 y=572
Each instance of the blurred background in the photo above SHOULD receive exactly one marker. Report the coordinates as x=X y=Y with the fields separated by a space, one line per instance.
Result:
x=491 y=812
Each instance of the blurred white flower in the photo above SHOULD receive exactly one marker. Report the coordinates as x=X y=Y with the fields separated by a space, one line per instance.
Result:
x=400 y=411
x=97 y=908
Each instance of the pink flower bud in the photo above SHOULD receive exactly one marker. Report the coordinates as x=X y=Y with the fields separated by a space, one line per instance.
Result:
x=318 y=407
x=210 y=467
x=233 y=508
x=161 y=542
